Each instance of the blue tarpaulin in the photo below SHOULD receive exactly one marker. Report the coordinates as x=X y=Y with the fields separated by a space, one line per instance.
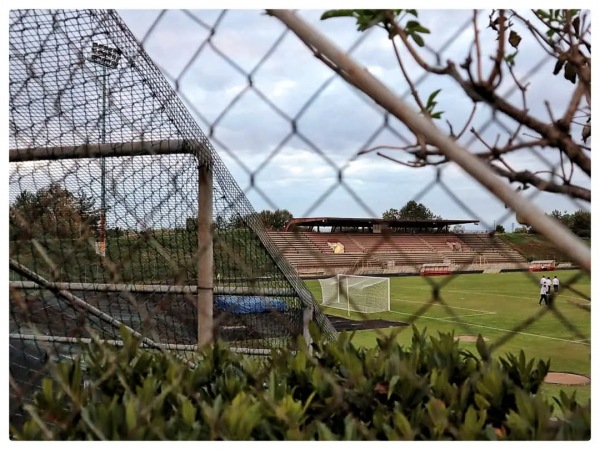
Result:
x=248 y=304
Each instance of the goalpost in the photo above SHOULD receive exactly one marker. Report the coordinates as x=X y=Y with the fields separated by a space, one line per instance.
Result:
x=356 y=293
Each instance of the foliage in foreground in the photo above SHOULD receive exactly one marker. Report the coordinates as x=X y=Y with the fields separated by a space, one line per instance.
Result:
x=430 y=390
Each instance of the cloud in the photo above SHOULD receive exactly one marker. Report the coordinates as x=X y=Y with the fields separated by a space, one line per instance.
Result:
x=285 y=130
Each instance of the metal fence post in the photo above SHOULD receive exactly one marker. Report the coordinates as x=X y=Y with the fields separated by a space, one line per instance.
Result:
x=307 y=317
x=205 y=254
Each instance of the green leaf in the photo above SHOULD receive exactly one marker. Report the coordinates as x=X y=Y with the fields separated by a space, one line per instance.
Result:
x=393 y=381
x=481 y=402
x=570 y=72
x=403 y=426
x=542 y=13
x=188 y=412
x=514 y=39
x=418 y=39
x=325 y=433
x=482 y=348
x=586 y=132
x=558 y=66
x=576 y=25
x=414 y=26
x=131 y=414
x=337 y=13
x=510 y=59
x=47 y=389
x=430 y=100
x=525 y=406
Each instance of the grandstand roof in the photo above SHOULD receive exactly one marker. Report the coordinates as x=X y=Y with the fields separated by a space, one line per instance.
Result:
x=369 y=222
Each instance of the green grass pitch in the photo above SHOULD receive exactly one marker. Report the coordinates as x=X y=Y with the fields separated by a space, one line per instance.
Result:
x=503 y=308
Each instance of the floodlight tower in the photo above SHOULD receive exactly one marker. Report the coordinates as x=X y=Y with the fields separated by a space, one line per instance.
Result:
x=108 y=58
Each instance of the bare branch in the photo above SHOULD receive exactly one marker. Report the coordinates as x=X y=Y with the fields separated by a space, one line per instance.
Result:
x=419 y=163
x=420 y=61
x=467 y=123
x=549 y=109
x=558 y=31
x=523 y=89
x=567 y=118
x=477 y=46
x=541 y=38
x=555 y=136
x=389 y=147
x=411 y=85
x=497 y=69
x=527 y=177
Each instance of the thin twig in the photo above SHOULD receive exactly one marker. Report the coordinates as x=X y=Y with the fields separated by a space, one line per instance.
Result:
x=420 y=61
x=468 y=122
x=411 y=85
x=567 y=118
x=527 y=177
x=523 y=89
x=477 y=46
x=497 y=68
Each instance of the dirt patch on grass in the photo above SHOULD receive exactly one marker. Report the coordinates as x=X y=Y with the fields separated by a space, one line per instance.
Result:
x=567 y=378
x=468 y=338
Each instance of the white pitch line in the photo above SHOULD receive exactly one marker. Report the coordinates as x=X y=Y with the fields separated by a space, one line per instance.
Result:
x=497 y=329
x=470 y=315
x=561 y=297
x=439 y=304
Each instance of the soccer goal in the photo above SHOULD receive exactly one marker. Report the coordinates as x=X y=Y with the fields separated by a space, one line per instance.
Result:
x=356 y=293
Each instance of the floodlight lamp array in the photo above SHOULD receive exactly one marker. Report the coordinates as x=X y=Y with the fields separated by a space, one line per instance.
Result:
x=105 y=55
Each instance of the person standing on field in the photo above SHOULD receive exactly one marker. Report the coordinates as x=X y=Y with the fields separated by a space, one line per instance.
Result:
x=543 y=294
x=555 y=283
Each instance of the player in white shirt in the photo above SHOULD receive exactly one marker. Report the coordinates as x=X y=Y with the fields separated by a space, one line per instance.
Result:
x=555 y=283
x=543 y=294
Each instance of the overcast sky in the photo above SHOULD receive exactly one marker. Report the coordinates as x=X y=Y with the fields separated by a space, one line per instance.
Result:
x=302 y=174
x=301 y=171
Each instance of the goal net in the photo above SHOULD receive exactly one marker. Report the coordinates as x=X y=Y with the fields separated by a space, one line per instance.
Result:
x=356 y=293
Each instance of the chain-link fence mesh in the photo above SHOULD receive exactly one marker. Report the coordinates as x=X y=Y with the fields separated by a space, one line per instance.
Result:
x=106 y=147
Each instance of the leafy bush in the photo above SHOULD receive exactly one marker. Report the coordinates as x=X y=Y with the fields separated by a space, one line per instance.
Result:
x=431 y=390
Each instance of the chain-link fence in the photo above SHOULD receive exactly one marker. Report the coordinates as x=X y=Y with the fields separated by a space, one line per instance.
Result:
x=123 y=214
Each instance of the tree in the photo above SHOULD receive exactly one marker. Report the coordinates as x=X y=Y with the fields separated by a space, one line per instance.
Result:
x=411 y=211
x=53 y=212
x=491 y=77
x=275 y=220
x=500 y=229
x=272 y=220
x=581 y=223
x=237 y=221
x=458 y=229
x=219 y=223
x=522 y=230
x=391 y=214
x=563 y=217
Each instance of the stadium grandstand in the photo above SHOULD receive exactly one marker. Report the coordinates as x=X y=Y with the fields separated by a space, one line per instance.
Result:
x=321 y=246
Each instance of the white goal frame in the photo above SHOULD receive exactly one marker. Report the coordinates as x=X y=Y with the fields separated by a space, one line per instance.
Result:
x=345 y=291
